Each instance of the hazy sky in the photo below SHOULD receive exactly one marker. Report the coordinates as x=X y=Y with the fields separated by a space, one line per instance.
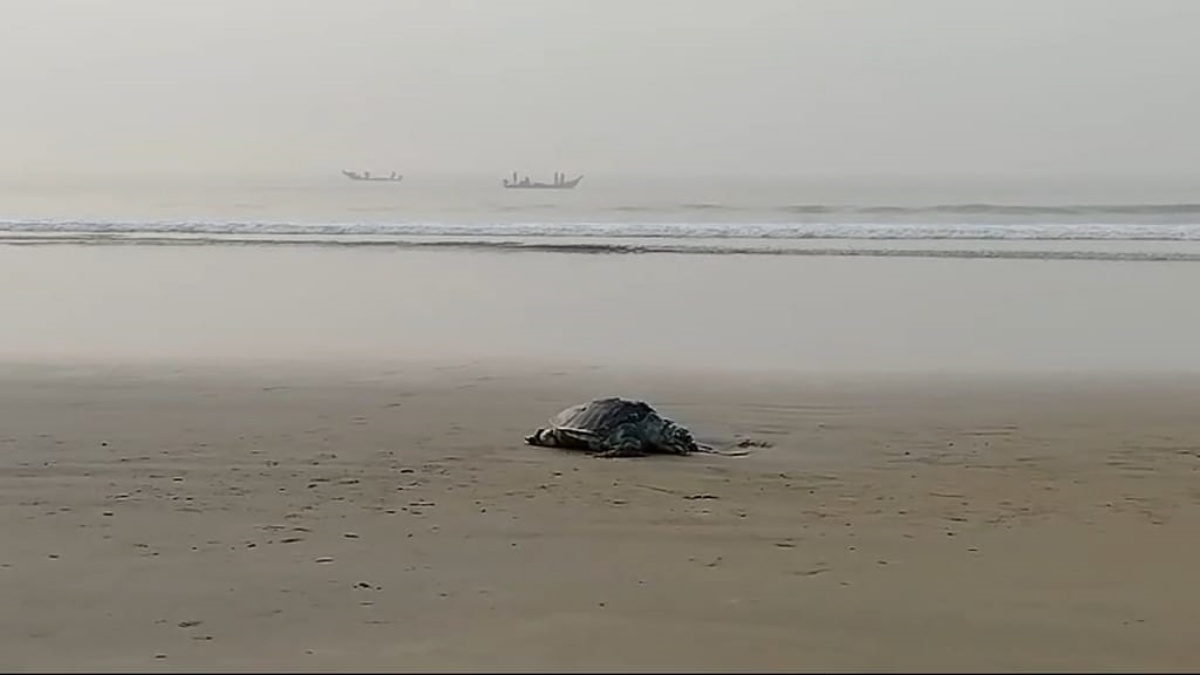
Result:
x=601 y=86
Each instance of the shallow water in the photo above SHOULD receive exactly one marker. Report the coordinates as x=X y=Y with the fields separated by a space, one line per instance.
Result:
x=814 y=314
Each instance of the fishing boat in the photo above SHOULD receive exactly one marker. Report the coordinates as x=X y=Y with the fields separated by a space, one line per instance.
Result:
x=560 y=182
x=392 y=177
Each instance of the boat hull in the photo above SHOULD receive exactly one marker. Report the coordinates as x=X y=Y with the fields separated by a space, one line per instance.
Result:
x=565 y=185
x=372 y=179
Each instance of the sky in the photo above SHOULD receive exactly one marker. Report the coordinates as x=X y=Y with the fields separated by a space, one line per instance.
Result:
x=712 y=87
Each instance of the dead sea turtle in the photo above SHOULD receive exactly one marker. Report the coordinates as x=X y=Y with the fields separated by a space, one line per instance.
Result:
x=615 y=427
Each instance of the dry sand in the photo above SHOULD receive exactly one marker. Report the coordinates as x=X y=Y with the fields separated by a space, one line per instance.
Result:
x=185 y=519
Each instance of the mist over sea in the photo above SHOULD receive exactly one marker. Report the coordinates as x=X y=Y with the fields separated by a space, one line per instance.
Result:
x=969 y=217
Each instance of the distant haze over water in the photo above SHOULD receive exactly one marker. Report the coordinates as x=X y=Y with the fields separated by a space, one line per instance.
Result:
x=704 y=213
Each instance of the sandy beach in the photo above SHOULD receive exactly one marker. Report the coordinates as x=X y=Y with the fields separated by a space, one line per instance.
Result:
x=285 y=286
x=224 y=458
x=186 y=518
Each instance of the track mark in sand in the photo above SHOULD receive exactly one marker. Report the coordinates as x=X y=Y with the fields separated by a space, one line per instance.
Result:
x=779 y=407
x=811 y=572
x=772 y=429
x=993 y=431
x=675 y=493
x=1186 y=450
x=655 y=488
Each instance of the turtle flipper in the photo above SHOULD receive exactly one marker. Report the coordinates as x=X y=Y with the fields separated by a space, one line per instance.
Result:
x=624 y=441
x=543 y=437
x=620 y=452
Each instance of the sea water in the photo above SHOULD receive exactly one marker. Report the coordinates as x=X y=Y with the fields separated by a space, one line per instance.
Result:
x=721 y=274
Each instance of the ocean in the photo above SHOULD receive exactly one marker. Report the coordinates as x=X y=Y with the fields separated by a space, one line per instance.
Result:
x=821 y=276
x=906 y=217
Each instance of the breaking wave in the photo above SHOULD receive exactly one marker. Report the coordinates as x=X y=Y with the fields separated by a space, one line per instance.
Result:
x=1081 y=210
x=1176 y=241
x=611 y=247
x=623 y=230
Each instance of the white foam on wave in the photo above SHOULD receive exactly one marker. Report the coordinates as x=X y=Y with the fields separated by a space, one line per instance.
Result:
x=618 y=230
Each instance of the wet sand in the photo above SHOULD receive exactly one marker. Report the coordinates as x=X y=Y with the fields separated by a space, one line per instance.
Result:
x=735 y=313
x=390 y=519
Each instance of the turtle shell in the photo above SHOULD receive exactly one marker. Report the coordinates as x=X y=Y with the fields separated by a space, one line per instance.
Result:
x=601 y=415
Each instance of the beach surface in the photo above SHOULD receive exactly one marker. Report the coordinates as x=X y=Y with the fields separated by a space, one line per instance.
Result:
x=229 y=458
x=161 y=518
